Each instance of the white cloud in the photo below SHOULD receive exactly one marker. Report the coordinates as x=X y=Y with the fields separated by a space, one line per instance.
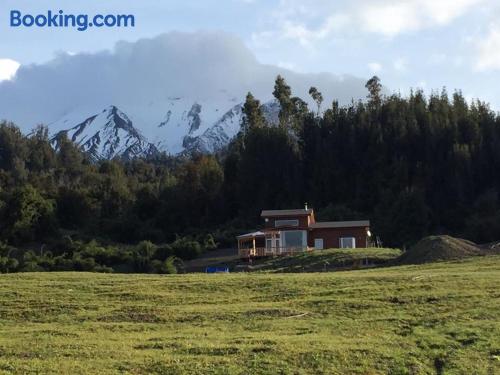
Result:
x=375 y=67
x=445 y=11
x=390 y=18
x=293 y=20
x=287 y=65
x=8 y=69
x=305 y=36
x=201 y=66
x=400 y=64
x=489 y=50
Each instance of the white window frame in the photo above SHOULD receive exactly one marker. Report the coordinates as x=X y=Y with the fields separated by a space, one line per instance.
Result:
x=353 y=239
x=322 y=244
x=304 y=238
x=286 y=223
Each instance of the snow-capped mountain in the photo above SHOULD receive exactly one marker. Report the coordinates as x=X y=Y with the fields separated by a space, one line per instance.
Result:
x=111 y=133
x=223 y=130
x=216 y=136
x=177 y=124
x=177 y=92
x=105 y=135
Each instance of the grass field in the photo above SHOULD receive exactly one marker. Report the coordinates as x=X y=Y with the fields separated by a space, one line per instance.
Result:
x=435 y=318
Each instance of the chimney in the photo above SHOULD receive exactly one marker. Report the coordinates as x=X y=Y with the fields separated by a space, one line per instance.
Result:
x=305 y=206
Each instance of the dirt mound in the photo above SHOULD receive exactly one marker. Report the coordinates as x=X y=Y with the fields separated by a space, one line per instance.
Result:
x=436 y=248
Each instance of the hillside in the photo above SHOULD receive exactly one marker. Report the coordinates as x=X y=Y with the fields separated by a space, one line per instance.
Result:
x=433 y=318
x=314 y=261
x=329 y=260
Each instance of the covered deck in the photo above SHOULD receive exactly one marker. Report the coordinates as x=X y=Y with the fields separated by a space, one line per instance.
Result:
x=264 y=244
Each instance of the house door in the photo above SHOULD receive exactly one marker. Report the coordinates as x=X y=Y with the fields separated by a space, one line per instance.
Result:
x=318 y=243
x=273 y=243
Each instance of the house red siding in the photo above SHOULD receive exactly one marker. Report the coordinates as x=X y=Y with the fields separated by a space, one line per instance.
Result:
x=331 y=236
x=330 y=232
x=303 y=222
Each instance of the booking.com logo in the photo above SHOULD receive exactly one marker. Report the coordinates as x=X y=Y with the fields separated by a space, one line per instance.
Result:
x=79 y=21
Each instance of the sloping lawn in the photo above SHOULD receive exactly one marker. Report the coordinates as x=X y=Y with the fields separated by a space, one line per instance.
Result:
x=436 y=318
x=327 y=260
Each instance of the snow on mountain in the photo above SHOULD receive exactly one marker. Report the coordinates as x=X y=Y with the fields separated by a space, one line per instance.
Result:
x=172 y=124
x=105 y=135
x=222 y=131
x=216 y=136
x=195 y=128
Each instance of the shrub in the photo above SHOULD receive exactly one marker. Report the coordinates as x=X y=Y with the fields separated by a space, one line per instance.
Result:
x=186 y=248
x=83 y=264
x=95 y=257
x=170 y=265
x=157 y=266
x=61 y=263
x=146 y=249
x=209 y=243
x=104 y=255
x=103 y=269
x=143 y=254
x=8 y=265
x=163 y=252
x=31 y=266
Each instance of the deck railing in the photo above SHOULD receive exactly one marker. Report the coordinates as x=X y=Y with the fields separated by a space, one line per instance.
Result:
x=273 y=251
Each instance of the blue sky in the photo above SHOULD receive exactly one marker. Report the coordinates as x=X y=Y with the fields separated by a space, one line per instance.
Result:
x=407 y=43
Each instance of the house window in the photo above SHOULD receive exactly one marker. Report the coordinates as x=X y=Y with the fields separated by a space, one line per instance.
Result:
x=294 y=238
x=286 y=223
x=318 y=243
x=347 y=242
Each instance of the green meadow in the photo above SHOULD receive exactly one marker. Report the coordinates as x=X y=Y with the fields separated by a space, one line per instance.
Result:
x=440 y=318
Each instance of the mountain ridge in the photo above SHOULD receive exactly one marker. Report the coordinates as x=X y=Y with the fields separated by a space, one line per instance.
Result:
x=111 y=133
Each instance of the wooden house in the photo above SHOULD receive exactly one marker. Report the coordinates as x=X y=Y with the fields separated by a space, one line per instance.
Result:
x=292 y=231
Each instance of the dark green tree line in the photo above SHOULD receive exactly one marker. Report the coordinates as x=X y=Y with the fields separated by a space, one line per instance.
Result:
x=413 y=165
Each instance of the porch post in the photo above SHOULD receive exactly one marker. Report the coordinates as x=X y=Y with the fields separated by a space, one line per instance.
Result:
x=276 y=249
x=253 y=244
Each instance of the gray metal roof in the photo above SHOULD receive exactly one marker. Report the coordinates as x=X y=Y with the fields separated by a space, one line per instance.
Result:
x=340 y=224
x=251 y=235
x=295 y=212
